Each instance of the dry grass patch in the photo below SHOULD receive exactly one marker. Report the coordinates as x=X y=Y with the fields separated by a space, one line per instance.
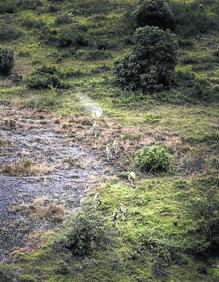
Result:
x=25 y=168
x=41 y=208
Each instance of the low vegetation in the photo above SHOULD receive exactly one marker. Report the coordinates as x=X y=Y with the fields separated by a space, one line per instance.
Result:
x=41 y=208
x=45 y=77
x=24 y=168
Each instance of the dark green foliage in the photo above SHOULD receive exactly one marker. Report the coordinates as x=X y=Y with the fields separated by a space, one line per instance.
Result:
x=154 y=158
x=193 y=17
x=195 y=89
x=153 y=13
x=45 y=77
x=12 y=6
x=7 y=60
x=62 y=268
x=151 y=65
x=72 y=35
x=31 y=22
x=85 y=233
x=8 y=33
x=217 y=52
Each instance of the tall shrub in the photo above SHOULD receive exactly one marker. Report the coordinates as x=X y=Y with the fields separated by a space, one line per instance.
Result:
x=151 y=65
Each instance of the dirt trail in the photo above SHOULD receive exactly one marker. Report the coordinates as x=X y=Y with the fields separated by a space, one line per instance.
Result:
x=40 y=139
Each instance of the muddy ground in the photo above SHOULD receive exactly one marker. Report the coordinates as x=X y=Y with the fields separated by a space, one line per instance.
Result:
x=64 y=162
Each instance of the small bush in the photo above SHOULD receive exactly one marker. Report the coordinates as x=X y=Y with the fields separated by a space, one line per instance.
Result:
x=45 y=77
x=85 y=233
x=151 y=65
x=72 y=35
x=153 y=13
x=7 y=60
x=154 y=158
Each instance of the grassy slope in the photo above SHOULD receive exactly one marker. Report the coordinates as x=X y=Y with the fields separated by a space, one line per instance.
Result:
x=156 y=207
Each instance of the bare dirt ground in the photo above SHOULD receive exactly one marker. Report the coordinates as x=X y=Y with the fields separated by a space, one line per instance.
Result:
x=63 y=172
x=47 y=164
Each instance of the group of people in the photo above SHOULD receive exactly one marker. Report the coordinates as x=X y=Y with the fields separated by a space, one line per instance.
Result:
x=111 y=151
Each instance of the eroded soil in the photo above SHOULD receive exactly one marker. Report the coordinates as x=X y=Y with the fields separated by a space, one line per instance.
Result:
x=67 y=171
x=70 y=162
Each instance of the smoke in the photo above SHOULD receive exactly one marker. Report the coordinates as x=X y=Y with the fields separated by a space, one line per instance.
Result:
x=89 y=105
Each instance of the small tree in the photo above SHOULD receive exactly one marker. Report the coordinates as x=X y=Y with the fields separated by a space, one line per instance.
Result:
x=7 y=60
x=153 y=13
x=151 y=65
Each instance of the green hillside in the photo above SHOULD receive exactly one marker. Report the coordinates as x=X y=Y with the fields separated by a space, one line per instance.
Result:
x=65 y=54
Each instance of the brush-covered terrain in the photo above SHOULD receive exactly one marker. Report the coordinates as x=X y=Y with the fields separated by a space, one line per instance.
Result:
x=105 y=174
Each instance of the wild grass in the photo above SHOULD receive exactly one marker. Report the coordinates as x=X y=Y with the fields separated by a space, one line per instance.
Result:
x=41 y=208
x=159 y=225
x=24 y=168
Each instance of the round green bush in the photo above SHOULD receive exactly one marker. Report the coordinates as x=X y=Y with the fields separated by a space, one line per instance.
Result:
x=86 y=231
x=153 y=13
x=151 y=65
x=7 y=60
x=154 y=158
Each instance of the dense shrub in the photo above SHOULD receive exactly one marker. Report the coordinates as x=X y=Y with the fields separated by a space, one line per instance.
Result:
x=153 y=13
x=7 y=60
x=151 y=65
x=45 y=77
x=86 y=232
x=154 y=158
x=72 y=35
